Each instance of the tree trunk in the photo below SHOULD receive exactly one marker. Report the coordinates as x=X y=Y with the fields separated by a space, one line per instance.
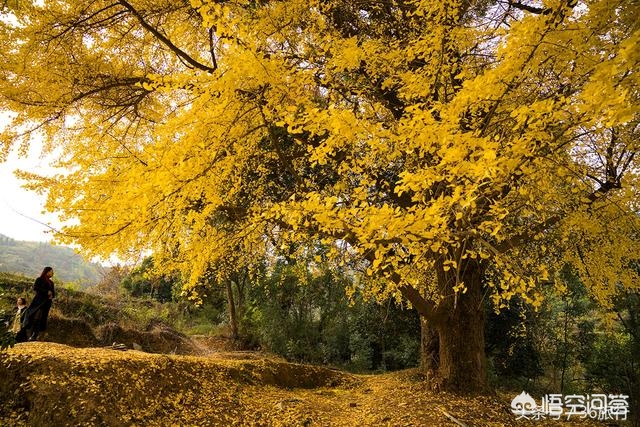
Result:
x=459 y=321
x=428 y=348
x=233 y=321
x=462 y=363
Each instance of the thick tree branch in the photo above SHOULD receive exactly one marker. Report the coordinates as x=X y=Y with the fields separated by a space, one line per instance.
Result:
x=538 y=10
x=522 y=238
x=164 y=40
x=426 y=309
x=528 y=8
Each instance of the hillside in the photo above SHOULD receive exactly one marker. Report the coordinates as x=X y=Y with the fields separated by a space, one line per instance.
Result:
x=29 y=258
x=83 y=319
x=52 y=384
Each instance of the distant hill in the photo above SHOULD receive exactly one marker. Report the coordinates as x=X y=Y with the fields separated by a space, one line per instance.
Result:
x=29 y=258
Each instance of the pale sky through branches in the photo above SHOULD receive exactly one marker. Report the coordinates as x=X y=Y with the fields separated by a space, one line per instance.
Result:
x=21 y=210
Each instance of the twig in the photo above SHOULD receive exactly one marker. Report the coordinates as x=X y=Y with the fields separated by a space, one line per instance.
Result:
x=452 y=418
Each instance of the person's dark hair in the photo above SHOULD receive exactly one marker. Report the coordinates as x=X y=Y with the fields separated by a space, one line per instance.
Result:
x=45 y=271
x=22 y=301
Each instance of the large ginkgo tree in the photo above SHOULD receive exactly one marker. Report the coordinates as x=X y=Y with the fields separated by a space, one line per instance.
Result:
x=461 y=151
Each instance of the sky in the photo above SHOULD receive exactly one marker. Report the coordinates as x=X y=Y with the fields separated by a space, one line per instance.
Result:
x=21 y=210
x=21 y=216
x=22 y=213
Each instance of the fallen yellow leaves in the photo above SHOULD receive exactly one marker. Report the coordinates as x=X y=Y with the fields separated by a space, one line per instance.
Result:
x=52 y=384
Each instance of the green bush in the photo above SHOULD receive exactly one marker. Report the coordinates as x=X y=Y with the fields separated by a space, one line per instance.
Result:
x=7 y=338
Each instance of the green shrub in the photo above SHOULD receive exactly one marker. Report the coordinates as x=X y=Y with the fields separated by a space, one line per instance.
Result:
x=7 y=338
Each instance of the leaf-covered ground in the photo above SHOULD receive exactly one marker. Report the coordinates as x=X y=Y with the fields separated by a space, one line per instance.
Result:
x=56 y=385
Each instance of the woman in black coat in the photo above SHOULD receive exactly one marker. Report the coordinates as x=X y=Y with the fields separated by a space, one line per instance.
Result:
x=35 y=319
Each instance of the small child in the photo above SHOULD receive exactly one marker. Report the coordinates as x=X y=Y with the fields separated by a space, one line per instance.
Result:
x=21 y=309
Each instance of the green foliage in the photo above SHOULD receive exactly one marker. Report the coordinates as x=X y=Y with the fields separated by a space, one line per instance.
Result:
x=510 y=346
x=29 y=258
x=144 y=281
x=92 y=307
x=288 y=318
x=161 y=299
x=565 y=328
x=305 y=316
x=386 y=333
x=571 y=345
x=613 y=365
x=7 y=338
x=11 y=287
x=545 y=349
x=208 y=318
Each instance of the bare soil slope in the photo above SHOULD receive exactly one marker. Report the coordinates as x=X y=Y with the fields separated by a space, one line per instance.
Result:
x=48 y=384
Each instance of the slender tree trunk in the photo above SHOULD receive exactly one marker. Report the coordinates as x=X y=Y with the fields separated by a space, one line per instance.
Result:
x=565 y=346
x=462 y=362
x=233 y=321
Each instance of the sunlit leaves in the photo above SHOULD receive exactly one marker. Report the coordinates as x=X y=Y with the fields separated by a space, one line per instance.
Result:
x=417 y=138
